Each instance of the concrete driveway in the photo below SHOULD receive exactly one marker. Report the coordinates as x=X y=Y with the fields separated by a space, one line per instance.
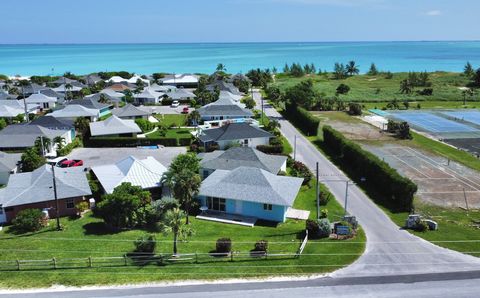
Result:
x=104 y=156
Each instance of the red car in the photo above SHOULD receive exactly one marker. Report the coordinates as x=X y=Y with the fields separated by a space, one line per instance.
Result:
x=185 y=110
x=71 y=163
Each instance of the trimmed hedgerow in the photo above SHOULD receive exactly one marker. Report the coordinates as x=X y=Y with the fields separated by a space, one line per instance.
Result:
x=302 y=118
x=130 y=142
x=390 y=189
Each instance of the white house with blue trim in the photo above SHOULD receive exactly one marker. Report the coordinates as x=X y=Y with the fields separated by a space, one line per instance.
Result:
x=250 y=192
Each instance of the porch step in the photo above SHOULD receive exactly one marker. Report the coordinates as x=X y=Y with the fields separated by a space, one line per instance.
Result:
x=297 y=214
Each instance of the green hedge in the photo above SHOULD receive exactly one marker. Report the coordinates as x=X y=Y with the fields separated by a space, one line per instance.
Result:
x=66 y=150
x=386 y=185
x=302 y=119
x=270 y=149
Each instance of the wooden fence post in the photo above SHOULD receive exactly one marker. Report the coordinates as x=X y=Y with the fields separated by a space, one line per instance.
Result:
x=18 y=265
x=125 y=259
x=90 y=262
x=54 y=263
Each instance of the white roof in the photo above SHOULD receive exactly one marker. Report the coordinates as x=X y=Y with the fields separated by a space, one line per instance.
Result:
x=74 y=111
x=113 y=126
x=229 y=95
x=63 y=89
x=180 y=78
x=40 y=98
x=116 y=79
x=135 y=78
x=145 y=173
x=112 y=93
x=10 y=108
x=148 y=93
x=162 y=88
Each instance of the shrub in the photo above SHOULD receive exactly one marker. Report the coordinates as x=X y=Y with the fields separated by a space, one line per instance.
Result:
x=354 y=109
x=324 y=228
x=66 y=150
x=99 y=142
x=324 y=213
x=420 y=226
x=387 y=186
x=29 y=220
x=146 y=244
x=81 y=207
x=261 y=246
x=342 y=89
x=323 y=198
x=144 y=125
x=300 y=170
x=312 y=227
x=223 y=245
x=270 y=149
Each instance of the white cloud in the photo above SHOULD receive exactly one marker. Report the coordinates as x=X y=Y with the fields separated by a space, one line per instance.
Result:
x=433 y=13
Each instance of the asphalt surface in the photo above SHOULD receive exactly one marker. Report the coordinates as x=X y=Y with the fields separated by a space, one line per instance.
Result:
x=389 y=250
x=465 y=284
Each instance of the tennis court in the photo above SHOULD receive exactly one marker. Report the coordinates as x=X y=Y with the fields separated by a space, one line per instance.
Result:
x=433 y=123
x=468 y=116
x=440 y=182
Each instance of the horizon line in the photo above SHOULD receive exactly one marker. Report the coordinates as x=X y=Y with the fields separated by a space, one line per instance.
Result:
x=235 y=42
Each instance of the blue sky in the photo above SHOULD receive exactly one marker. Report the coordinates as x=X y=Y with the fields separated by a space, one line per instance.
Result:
x=150 y=21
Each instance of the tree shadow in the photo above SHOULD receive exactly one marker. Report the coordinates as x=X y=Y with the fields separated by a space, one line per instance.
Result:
x=98 y=228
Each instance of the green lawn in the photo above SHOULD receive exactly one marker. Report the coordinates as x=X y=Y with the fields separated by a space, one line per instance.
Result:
x=87 y=237
x=430 y=104
x=455 y=224
x=172 y=119
x=366 y=88
x=171 y=133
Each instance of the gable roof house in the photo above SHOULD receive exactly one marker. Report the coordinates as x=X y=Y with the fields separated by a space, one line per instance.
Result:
x=35 y=190
x=130 y=111
x=112 y=93
x=180 y=94
x=236 y=157
x=11 y=108
x=223 y=86
x=72 y=112
x=250 y=192
x=145 y=173
x=222 y=109
x=114 y=126
x=234 y=133
x=148 y=96
x=111 y=100
x=63 y=89
x=42 y=101
x=8 y=165
x=92 y=102
x=50 y=93
x=32 y=88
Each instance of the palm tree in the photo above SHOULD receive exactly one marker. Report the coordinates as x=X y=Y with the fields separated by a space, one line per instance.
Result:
x=82 y=125
x=465 y=93
x=59 y=141
x=221 y=67
x=172 y=222
x=43 y=144
x=352 y=68
x=406 y=86
x=194 y=117
x=68 y=87
x=23 y=84
x=103 y=98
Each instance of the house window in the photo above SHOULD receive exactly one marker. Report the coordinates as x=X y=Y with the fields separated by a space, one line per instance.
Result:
x=216 y=204
x=245 y=142
x=1 y=210
x=70 y=203
x=267 y=207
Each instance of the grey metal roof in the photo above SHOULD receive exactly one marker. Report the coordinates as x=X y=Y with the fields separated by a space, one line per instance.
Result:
x=180 y=93
x=37 y=186
x=236 y=157
x=90 y=103
x=49 y=92
x=233 y=131
x=9 y=161
x=223 y=86
x=113 y=126
x=52 y=123
x=224 y=110
x=24 y=135
x=253 y=185
x=5 y=95
x=97 y=96
x=64 y=80
x=32 y=88
x=130 y=110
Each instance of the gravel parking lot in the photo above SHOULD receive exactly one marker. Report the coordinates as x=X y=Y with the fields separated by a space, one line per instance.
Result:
x=103 y=156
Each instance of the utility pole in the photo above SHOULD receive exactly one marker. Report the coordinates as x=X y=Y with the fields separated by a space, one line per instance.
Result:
x=317 y=193
x=25 y=105
x=295 y=148
x=56 y=198
x=43 y=147
x=346 y=198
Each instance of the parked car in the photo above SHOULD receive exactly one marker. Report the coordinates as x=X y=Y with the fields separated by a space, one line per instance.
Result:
x=69 y=163
x=56 y=161
x=175 y=104
x=185 y=110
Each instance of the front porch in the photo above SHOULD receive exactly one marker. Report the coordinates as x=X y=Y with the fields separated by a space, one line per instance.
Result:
x=229 y=218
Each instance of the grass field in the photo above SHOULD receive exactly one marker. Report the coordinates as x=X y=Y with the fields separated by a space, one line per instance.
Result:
x=88 y=236
x=364 y=88
x=171 y=133
x=172 y=119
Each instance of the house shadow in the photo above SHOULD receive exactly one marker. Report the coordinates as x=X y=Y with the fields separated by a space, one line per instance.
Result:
x=266 y=223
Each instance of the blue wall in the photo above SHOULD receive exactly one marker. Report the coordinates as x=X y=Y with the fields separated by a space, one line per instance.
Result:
x=253 y=209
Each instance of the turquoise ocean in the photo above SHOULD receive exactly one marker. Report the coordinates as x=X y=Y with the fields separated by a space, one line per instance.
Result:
x=237 y=57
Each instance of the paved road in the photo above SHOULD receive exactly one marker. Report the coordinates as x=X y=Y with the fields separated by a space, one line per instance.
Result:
x=465 y=284
x=390 y=250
